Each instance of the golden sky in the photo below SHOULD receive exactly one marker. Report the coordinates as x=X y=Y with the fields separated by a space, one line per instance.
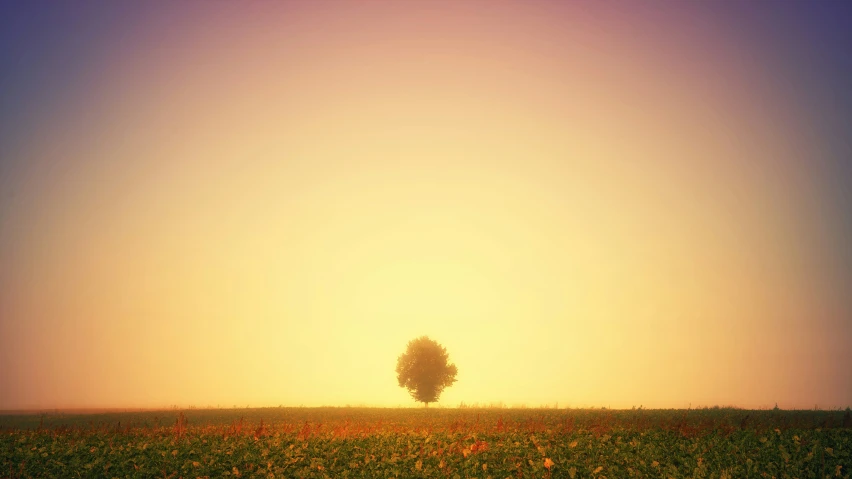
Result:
x=595 y=205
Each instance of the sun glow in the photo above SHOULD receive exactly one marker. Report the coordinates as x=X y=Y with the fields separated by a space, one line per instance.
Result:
x=262 y=205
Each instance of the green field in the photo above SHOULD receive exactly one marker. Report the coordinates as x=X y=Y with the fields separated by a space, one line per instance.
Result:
x=450 y=443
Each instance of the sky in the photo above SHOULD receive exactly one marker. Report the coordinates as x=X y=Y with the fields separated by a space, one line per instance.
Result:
x=587 y=203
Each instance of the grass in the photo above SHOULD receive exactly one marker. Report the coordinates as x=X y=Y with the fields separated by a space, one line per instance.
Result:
x=451 y=443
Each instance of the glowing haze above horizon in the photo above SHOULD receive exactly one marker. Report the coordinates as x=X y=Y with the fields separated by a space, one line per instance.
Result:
x=587 y=203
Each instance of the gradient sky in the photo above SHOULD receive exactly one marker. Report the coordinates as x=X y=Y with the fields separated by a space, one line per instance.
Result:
x=589 y=203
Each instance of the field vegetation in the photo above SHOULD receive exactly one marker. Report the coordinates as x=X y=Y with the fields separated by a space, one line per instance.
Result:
x=435 y=442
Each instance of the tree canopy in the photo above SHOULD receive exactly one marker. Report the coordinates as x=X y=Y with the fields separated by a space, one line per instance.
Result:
x=424 y=369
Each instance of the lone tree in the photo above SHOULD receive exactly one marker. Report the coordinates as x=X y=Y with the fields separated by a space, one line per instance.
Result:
x=424 y=370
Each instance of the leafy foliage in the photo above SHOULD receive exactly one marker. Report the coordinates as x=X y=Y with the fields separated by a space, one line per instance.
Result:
x=369 y=443
x=424 y=369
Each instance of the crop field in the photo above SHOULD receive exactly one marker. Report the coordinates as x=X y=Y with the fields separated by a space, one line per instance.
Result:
x=443 y=443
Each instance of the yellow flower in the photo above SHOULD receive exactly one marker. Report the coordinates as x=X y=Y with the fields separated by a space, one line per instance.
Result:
x=548 y=463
